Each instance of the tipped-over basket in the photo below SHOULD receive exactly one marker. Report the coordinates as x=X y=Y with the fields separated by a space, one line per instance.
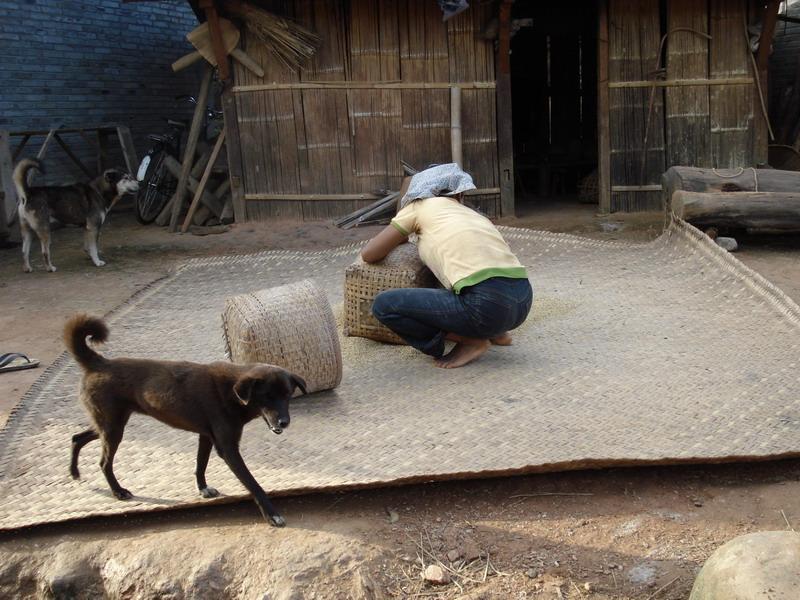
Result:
x=291 y=326
x=402 y=268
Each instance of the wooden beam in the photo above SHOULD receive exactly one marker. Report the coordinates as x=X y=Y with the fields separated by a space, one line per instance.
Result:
x=20 y=147
x=46 y=144
x=361 y=196
x=9 y=201
x=191 y=146
x=128 y=149
x=767 y=32
x=366 y=85
x=217 y=44
x=73 y=157
x=682 y=82
x=203 y=182
x=603 y=129
x=505 y=143
x=234 y=150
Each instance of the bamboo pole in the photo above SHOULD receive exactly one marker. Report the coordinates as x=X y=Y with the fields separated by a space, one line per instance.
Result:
x=456 y=148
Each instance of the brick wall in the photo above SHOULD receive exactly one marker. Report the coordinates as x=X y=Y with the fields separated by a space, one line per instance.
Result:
x=84 y=62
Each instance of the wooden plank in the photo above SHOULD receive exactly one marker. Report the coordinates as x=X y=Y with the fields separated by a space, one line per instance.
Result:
x=128 y=149
x=20 y=147
x=366 y=85
x=636 y=143
x=191 y=147
x=684 y=82
x=603 y=139
x=234 y=151
x=505 y=145
x=731 y=106
x=203 y=182
x=73 y=157
x=687 y=109
x=46 y=144
x=9 y=206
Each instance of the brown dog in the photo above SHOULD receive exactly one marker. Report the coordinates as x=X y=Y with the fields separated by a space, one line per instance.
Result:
x=214 y=400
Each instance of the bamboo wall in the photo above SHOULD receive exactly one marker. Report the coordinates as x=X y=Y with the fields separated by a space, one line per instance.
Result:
x=377 y=92
x=707 y=125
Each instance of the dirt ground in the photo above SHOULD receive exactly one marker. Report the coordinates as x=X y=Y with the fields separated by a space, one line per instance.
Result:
x=617 y=533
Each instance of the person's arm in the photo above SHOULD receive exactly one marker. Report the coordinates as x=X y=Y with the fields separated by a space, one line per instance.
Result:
x=383 y=243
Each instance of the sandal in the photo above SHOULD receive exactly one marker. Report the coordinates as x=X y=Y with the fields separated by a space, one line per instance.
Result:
x=12 y=361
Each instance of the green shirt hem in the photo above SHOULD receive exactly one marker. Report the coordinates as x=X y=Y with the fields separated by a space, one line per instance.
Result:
x=484 y=274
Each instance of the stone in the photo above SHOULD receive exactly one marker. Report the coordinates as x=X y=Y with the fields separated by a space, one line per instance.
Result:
x=727 y=243
x=470 y=551
x=436 y=575
x=453 y=555
x=757 y=565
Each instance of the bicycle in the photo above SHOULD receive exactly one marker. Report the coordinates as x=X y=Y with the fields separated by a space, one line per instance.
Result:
x=156 y=182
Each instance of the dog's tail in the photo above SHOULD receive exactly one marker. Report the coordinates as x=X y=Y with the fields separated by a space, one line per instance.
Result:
x=77 y=329
x=20 y=176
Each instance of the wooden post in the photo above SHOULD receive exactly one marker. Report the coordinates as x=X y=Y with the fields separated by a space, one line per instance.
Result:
x=203 y=181
x=217 y=43
x=191 y=146
x=234 y=150
x=603 y=128
x=9 y=203
x=765 y=40
x=505 y=143
x=456 y=148
x=128 y=149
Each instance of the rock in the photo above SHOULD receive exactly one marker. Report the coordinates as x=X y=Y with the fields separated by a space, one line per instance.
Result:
x=68 y=576
x=453 y=555
x=470 y=551
x=532 y=573
x=436 y=575
x=642 y=574
x=727 y=243
x=756 y=565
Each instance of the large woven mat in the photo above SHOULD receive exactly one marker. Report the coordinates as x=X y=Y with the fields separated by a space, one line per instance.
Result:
x=665 y=352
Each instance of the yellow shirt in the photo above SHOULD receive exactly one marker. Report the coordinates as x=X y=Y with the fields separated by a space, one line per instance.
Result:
x=459 y=245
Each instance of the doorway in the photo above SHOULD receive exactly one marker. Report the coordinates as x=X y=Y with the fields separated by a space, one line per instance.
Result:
x=554 y=102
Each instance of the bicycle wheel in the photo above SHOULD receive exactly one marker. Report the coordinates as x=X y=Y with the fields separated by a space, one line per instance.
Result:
x=159 y=185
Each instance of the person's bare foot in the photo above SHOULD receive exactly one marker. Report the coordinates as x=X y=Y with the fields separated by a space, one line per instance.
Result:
x=463 y=354
x=504 y=339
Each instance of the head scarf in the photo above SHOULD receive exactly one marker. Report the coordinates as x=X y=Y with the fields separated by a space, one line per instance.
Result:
x=439 y=180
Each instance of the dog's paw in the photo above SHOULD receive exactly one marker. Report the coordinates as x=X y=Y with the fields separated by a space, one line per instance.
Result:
x=209 y=492
x=51 y=269
x=27 y=269
x=122 y=494
x=75 y=474
x=277 y=521
x=99 y=263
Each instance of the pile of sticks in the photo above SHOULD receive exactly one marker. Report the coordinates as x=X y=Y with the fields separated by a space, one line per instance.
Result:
x=380 y=211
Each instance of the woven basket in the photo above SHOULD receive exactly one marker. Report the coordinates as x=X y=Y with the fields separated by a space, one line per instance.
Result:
x=402 y=268
x=291 y=326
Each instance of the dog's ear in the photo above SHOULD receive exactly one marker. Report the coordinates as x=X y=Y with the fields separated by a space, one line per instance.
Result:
x=243 y=389
x=298 y=382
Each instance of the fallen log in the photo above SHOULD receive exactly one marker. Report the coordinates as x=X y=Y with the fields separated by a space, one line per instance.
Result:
x=752 y=211
x=694 y=179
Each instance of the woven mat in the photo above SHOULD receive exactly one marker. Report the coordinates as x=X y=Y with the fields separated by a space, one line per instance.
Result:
x=665 y=352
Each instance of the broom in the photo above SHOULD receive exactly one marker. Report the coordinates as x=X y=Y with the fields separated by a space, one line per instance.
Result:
x=292 y=43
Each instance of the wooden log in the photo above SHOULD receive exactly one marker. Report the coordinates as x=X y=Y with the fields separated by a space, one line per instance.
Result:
x=201 y=187
x=207 y=198
x=191 y=145
x=694 y=179
x=73 y=157
x=752 y=211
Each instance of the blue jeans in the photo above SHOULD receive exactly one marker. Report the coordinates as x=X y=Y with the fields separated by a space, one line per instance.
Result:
x=422 y=316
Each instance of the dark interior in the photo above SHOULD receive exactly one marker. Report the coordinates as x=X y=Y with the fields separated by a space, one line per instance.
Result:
x=554 y=99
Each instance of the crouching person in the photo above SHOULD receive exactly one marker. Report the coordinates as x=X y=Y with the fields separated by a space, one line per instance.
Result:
x=487 y=292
